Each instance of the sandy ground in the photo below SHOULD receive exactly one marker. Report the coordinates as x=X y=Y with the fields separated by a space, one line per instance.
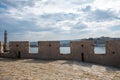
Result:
x=29 y=69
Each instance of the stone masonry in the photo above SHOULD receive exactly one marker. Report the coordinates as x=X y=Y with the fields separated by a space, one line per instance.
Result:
x=19 y=48
x=48 y=49
x=80 y=50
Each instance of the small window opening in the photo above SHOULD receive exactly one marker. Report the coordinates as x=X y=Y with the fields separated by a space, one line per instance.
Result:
x=113 y=52
x=82 y=45
x=17 y=45
x=49 y=45
x=18 y=54
x=82 y=57
x=33 y=48
x=65 y=47
x=99 y=48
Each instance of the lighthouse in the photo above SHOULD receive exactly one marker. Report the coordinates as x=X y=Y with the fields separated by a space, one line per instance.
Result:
x=5 y=40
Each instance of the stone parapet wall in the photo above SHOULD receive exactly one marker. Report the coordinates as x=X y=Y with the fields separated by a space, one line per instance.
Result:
x=111 y=57
x=19 y=48
x=80 y=50
x=48 y=49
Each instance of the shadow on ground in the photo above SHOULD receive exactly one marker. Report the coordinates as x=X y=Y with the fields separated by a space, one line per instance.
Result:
x=8 y=59
x=39 y=61
x=68 y=62
x=90 y=65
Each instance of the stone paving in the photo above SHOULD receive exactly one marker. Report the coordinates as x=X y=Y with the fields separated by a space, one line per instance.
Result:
x=30 y=69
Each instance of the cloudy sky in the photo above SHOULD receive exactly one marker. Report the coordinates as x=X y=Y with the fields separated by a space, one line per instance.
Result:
x=35 y=20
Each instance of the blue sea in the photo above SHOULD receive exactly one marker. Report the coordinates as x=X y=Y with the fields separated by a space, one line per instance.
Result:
x=66 y=50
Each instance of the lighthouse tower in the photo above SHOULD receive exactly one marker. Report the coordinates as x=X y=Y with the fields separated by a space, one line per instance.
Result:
x=5 y=41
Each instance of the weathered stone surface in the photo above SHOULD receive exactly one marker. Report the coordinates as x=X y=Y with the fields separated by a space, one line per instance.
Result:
x=113 y=52
x=112 y=56
x=48 y=49
x=19 y=49
x=80 y=50
x=30 y=69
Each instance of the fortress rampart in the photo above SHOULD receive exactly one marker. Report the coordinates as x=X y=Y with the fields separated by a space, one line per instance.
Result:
x=79 y=50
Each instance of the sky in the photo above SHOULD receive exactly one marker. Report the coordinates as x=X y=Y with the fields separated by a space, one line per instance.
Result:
x=36 y=20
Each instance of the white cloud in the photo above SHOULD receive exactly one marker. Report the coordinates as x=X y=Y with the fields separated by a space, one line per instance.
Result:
x=60 y=19
x=107 y=4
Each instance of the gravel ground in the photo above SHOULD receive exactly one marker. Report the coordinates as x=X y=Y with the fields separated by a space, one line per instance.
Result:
x=30 y=69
